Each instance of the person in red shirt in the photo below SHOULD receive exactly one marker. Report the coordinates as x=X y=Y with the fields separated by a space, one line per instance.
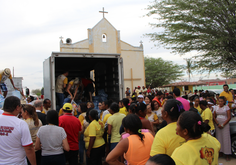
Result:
x=158 y=97
x=87 y=86
x=72 y=126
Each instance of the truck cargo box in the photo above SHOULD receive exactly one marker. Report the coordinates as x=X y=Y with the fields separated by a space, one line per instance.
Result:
x=105 y=69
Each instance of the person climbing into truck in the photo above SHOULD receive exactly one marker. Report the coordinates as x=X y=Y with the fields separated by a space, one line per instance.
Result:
x=4 y=75
x=72 y=90
x=61 y=83
x=87 y=87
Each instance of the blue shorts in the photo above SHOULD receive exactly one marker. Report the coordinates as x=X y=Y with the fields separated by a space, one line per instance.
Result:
x=3 y=87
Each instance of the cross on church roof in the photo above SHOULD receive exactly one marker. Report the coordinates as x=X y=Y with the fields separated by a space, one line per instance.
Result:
x=61 y=37
x=103 y=11
x=141 y=42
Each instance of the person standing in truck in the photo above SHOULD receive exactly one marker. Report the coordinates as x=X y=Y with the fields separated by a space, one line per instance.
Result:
x=61 y=83
x=4 y=75
x=87 y=87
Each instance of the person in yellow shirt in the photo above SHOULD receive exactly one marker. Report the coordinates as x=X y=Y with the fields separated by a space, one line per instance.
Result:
x=125 y=106
x=4 y=75
x=207 y=116
x=200 y=147
x=114 y=122
x=197 y=105
x=228 y=95
x=82 y=108
x=166 y=140
x=46 y=106
x=94 y=142
x=72 y=89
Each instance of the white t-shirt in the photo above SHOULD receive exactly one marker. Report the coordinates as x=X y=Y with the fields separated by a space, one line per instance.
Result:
x=104 y=114
x=14 y=136
x=51 y=137
x=1 y=111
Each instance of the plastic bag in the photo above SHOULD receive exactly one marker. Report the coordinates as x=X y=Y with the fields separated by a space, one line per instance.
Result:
x=2 y=99
x=16 y=93
x=74 y=107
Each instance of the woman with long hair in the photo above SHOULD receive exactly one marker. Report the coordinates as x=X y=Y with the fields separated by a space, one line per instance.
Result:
x=141 y=112
x=125 y=106
x=28 y=113
x=166 y=140
x=222 y=117
x=52 y=139
x=94 y=142
x=200 y=147
x=135 y=147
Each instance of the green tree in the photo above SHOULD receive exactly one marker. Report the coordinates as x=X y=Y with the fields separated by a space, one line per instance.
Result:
x=36 y=92
x=159 y=72
x=205 y=26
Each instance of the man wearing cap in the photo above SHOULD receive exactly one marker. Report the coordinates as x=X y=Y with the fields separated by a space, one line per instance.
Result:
x=140 y=99
x=72 y=126
x=4 y=75
x=61 y=83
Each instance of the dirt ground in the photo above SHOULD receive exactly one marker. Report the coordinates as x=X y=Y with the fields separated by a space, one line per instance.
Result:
x=231 y=162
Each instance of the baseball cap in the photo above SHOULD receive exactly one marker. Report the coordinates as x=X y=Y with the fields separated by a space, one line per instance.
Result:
x=67 y=107
x=140 y=96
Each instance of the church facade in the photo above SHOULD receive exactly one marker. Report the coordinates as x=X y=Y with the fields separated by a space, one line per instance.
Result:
x=104 y=38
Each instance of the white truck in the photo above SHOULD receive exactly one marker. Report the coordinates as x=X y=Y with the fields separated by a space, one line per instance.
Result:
x=105 y=69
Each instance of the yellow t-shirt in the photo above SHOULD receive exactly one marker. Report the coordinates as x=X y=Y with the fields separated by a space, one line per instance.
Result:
x=3 y=78
x=106 y=117
x=33 y=129
x=101 y=115
x=166 y=140
x=115 y=121
x=82 y=117
x=207 y=115
x=95 y=128
x=199 y=109
x=124 y=111
x=45 y=111
x=204 y=150
x=228 y=96
x=153 y=117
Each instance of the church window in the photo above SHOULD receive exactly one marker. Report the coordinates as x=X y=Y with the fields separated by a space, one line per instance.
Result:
x=104 y=38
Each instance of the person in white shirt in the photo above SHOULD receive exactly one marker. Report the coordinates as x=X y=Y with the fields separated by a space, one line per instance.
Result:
x=15 y=138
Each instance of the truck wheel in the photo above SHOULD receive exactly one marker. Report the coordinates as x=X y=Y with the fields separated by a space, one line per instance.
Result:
x=233 y=146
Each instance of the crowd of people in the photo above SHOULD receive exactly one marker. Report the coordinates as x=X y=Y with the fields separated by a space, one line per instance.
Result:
x=147 y=127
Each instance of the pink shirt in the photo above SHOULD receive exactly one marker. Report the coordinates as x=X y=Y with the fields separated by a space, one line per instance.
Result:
x=185 y=103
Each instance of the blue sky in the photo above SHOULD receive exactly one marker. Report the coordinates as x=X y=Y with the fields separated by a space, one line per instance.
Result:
x=30 y=31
